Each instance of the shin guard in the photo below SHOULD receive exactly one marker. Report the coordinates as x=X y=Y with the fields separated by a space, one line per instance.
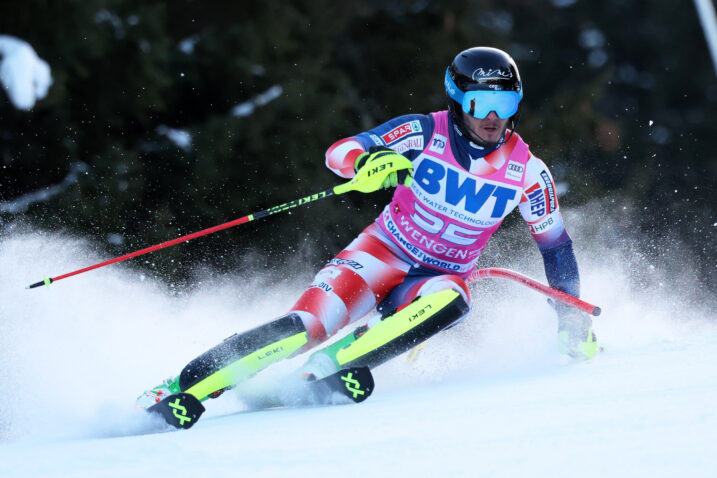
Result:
x=406 y=328
x=242 y=355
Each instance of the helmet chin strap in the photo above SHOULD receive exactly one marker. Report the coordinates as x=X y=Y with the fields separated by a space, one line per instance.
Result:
x=476 y=138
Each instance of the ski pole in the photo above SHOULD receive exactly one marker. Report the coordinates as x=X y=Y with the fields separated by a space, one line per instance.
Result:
x=365 y=181
x=188 y=237
x=556 y=294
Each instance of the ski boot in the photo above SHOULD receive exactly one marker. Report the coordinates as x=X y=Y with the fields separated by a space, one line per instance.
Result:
x=323 y=363
x=232 y=361
x=576 y=337
x=149 y=397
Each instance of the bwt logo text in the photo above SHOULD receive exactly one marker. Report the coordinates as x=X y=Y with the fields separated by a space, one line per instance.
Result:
x=433 y=177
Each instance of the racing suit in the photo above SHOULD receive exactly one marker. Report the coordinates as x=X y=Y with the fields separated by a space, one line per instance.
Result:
x=429 y=237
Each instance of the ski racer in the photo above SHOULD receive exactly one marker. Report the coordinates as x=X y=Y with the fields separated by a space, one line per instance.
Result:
x=469 y=170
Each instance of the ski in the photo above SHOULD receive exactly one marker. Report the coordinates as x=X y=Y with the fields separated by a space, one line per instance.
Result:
x=182 y=410
x=354 y=383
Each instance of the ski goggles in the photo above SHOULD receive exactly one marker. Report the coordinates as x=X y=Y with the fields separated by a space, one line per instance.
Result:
x=479 y=103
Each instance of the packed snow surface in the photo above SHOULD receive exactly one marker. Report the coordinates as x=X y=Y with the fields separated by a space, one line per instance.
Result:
x=490 y=397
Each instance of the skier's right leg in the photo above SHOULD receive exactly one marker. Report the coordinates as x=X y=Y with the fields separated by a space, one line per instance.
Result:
x=427 y=305
x=343 y=291
x=234 y=360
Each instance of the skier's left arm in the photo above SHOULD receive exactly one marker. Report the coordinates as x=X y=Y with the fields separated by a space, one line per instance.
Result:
x=539 y=207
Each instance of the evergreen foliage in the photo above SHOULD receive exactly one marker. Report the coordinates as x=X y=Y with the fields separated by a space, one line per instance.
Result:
x=620 y=100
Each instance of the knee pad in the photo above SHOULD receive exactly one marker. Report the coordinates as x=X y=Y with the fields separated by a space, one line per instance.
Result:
x=443 y=282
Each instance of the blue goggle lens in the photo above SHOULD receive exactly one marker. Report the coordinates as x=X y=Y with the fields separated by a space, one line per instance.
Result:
x=479 y=103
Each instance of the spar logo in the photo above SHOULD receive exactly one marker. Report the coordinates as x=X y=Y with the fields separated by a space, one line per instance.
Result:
x=401 y=131
x=454 y=187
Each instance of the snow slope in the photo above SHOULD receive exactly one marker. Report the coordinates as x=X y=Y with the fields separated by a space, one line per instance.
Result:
x=490 y=397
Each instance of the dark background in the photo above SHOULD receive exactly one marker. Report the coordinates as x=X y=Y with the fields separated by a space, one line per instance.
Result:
x=620 y=102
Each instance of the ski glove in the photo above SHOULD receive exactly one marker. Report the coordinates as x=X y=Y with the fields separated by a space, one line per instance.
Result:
x=392 y=180
x=575 y=333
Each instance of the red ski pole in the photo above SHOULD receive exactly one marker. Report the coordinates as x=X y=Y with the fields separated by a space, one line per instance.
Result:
x=365 y=181
x=204 y=232
x=556 y=294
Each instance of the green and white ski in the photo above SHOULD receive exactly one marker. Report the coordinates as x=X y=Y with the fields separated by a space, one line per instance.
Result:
x=182 y=410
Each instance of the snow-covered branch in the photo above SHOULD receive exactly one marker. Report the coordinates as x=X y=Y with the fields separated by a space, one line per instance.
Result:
x=21 y=203
x=23 y=75
x=248 y=107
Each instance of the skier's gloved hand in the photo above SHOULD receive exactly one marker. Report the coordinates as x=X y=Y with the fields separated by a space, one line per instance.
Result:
x=392 y=180
x=575 y=332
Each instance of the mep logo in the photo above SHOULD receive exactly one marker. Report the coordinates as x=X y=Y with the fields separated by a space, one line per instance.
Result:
x=536 y=197
x=457 y=187
x=438 y=143
x=402 y=130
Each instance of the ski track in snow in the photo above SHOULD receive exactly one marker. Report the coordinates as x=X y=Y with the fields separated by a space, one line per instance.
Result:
x=490 y=397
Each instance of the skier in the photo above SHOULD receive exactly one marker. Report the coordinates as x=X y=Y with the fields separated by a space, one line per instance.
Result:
x=470 y=169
